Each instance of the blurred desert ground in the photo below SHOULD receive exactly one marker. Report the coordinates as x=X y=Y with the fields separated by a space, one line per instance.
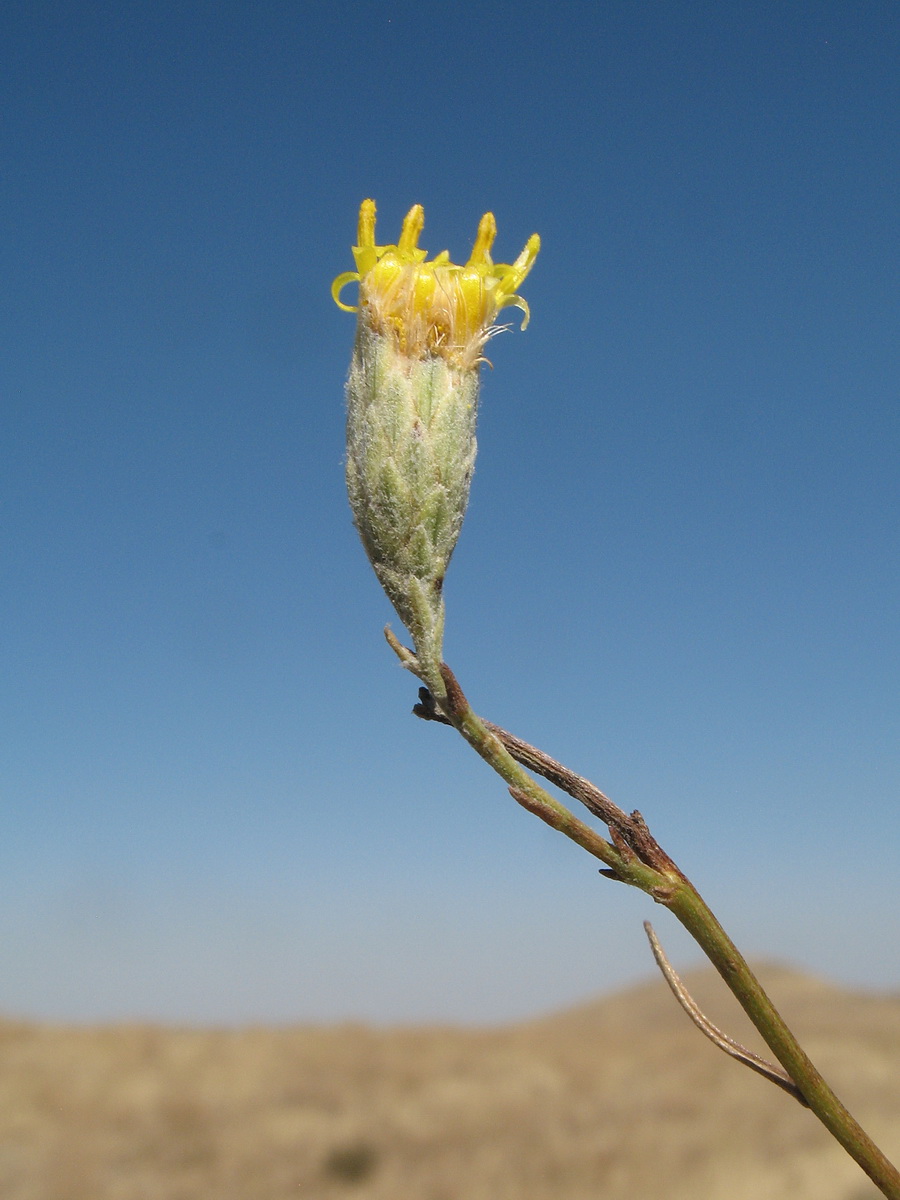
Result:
x=620 y=1097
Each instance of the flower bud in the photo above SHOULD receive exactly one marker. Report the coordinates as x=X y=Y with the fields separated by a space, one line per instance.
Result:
x=412 y=403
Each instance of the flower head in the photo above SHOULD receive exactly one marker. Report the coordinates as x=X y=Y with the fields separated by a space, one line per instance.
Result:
x=412 y=405
x=433 y=307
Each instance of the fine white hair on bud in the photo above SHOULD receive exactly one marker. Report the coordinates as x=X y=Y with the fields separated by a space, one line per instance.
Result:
x=410 y=458
x=412 y=404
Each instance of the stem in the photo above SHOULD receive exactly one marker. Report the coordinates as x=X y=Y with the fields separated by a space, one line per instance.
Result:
x=634 y=857
x=695 y=915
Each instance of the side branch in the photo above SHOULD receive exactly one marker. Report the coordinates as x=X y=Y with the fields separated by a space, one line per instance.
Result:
x=626 y=829
x=770 y=1071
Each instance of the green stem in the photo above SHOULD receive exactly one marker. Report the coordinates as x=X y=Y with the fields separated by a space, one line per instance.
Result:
x=695 y=915
x=484 y=739
x=635 y=858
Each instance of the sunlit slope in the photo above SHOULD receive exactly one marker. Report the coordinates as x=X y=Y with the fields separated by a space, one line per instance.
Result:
x=618 y=1098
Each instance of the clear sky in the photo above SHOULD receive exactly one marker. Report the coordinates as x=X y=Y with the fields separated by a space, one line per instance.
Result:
x=679 y=570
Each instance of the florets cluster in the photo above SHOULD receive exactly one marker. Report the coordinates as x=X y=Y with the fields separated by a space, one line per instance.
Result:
x=434 y=306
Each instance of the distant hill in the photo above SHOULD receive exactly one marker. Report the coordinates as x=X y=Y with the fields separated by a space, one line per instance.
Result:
x=617 y=1098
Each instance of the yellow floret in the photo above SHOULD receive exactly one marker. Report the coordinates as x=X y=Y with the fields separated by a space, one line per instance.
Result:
x=433 y=307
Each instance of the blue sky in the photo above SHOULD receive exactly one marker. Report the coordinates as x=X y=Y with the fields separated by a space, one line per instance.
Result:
x=679 y=570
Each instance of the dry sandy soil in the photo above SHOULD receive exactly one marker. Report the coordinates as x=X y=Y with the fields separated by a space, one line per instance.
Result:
x=619 y=1098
